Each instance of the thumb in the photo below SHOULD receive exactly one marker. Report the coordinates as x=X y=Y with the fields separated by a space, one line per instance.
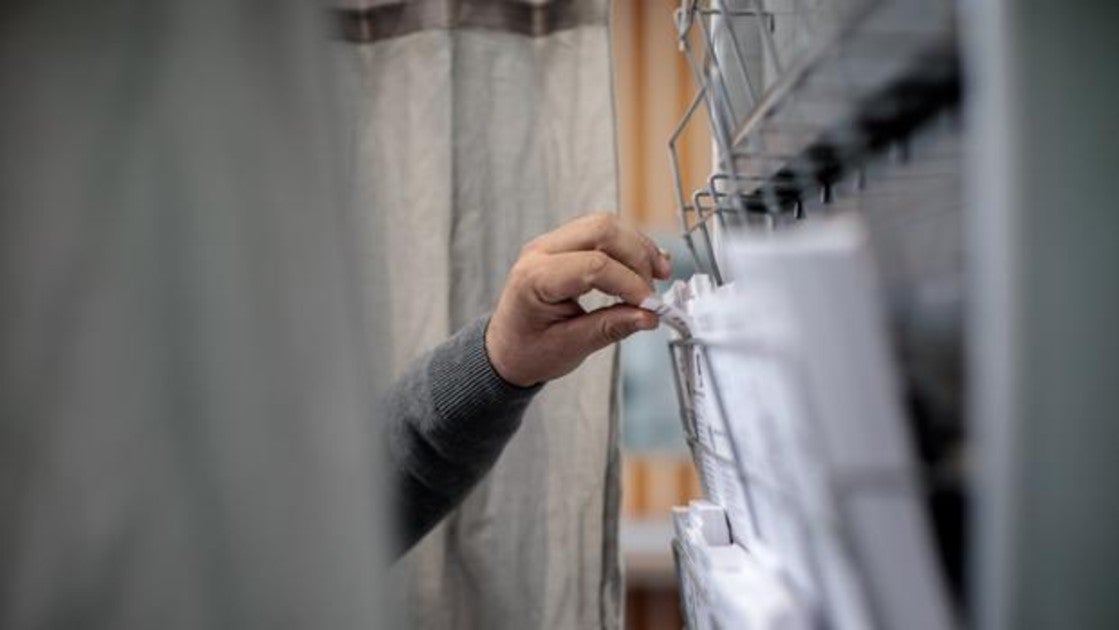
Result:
x=602 y=327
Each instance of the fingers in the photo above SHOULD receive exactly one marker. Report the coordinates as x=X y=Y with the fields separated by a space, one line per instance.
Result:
x=538 y=331
x=600 y=328
x=666 y=264
x=561 y=277
x=603 y=232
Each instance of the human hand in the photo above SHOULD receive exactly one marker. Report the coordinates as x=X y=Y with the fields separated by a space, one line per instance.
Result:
x=539 y=331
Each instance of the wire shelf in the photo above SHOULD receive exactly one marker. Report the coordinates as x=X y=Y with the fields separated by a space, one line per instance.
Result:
x=799 y=94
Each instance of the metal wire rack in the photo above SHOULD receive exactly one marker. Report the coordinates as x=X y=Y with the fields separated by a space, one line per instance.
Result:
x=804 y=101
x=816 y=527
x=800 y=94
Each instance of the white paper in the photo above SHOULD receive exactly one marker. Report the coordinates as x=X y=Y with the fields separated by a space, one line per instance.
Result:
x=802 y=439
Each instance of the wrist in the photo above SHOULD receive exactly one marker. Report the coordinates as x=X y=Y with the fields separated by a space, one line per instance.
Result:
x=496 y=346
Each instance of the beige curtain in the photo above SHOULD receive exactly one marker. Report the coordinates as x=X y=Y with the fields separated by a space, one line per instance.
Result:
x=478 y=125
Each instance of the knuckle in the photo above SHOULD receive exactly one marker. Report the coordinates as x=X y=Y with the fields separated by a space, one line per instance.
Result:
x=530 y=247
x=529 y=281
x=521 y=273
x=546 y=293
x=605 y=225
x=596 y=263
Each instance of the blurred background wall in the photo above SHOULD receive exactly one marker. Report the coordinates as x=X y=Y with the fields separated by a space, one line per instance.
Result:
x=652 y=88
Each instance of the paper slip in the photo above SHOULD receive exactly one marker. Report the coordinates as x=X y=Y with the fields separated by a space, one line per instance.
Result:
x=668 y=314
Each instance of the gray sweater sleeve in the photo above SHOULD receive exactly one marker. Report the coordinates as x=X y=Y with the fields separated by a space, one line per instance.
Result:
x=447 y=420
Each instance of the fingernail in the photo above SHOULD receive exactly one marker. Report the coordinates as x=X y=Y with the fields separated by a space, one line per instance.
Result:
x=645 y=321
x=665 y=254
x=664 y=263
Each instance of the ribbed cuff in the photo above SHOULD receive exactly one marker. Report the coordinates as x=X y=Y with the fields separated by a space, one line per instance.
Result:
x=469 y=394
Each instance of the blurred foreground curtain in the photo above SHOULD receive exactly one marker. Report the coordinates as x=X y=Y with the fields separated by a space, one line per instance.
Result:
x=184 y=408
x=478 y=125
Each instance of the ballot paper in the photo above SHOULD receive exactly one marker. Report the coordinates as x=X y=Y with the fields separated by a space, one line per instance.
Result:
x=713 y=451
x=698 y=524
x=667 y=310
x=799 y=435
x=770 y=604
x=846 y=435
x=718 y=453
x=725 y=586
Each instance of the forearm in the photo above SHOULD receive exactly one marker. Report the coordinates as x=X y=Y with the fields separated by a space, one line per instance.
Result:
x=449 y=417
x=447 y=420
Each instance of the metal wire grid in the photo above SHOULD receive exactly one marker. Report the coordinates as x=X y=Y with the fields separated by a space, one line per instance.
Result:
x=795 y=116
x=903 y=188
x=824 y=86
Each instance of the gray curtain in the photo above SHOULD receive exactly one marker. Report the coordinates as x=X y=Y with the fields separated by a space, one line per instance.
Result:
x=479 y=125
x=185 y=422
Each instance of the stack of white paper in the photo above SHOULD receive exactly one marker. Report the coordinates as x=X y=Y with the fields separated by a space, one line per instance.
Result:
x=723 y=585
x=800 y=436
x=855 y=462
